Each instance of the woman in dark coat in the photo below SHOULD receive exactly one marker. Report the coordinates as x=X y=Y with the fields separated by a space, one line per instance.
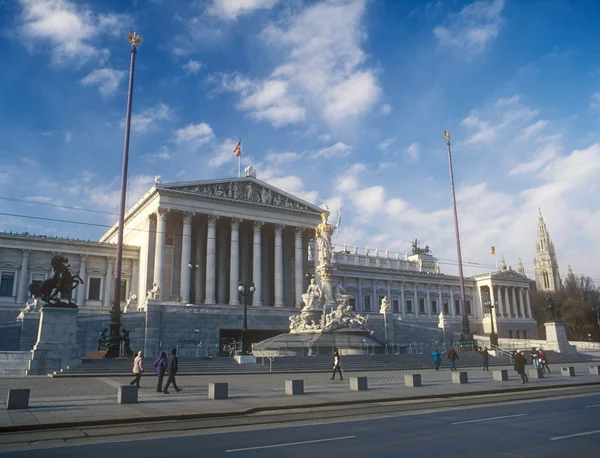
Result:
x=160 y=365
x=520 y=363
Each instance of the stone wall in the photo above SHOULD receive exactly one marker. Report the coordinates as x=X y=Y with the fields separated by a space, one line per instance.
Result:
x=10 y=335
x=89 y=328
x=14 y=362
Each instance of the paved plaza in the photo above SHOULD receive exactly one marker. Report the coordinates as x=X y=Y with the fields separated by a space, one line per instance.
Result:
x=84 y=400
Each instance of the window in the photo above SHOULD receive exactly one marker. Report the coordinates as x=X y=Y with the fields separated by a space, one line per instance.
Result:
x=352 y=302
x=469 y=311
x=446 y=307
x=409 y=308
x=457 y=306
x=518 y=334
x=7 y=284
x=94 y=288
x=367 y=303
x=524 y=334
x=510 y=334
x=36 y=279
x=421 y=305
x=433 y=306
x=395 y=304
x=123 y=290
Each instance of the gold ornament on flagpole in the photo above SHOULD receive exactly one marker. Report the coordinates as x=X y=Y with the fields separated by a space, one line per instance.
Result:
x=135 y=39
x=447 y=135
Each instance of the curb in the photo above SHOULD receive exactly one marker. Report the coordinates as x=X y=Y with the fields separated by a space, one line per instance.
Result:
x=253 y=410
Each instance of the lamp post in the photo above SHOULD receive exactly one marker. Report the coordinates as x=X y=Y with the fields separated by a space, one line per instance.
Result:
x=114 y=339
x=466 y=335
x=492 y=306
x=244 y=293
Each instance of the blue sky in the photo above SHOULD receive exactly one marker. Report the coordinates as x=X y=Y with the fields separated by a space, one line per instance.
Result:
x=338 y=102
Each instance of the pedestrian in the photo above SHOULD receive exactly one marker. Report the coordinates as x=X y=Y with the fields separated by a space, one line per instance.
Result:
x=486 y=359
x=172 y=368
x=544 y=361
x=535 y=357
x=437 y=359
x=520 y=363
x=160 y=365
x=337 y=365
x=137 y=370
x=453 y=356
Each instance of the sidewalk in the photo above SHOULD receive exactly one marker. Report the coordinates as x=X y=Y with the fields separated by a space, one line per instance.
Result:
x=92 y=401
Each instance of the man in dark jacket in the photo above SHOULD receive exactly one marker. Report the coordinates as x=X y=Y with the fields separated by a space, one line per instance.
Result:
x=486 y=359
x=172 y=367
x=520 y=363
x=453 y=356
x=160 y=366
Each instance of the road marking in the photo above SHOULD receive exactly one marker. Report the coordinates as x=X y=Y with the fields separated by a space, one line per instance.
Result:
x=488 y=419
x=593 y=405
x=587 y=433
x=289 y=444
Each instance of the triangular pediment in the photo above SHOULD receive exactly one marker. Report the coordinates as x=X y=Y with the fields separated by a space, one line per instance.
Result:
x=246 y=190
x=509 y=275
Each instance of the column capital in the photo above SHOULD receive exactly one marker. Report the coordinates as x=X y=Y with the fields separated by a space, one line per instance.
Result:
x=235 y=223
x=279 y=229
x=299 y=231
x=161 y=212
x=258 y=226
x=152 y=219
x=26 y=252
x=212 y=220
x=83 y=257
x=111 y=259
x=187 y=216
x=389 y=282
x=135 y=261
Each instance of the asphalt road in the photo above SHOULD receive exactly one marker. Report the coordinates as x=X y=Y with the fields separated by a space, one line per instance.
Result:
x=564 y=427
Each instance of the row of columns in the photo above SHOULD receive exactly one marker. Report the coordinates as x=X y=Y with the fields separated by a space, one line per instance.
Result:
x=503 y=298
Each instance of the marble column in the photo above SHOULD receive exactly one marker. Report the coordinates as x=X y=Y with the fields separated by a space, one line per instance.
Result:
x=375 y=299
x=500 y=302
x=200 y=271
x=521 y=306
x=82 y=273
x=494 y=311
x=451 y=302
x=108 y=283
x=428 y=305
x=278 y=265
x=222 y=285
x=257 y=264
x=440 y=301
x=159 y=252
x=186 y=258
x=417 y=301
x=507 y=299
x=528 y=303
x=135 y=277
x=389 y=294
x=359 y=300
x=402 y=301
x=234 y=263
x=211 y=260
x=24 y=277
x=298 y=271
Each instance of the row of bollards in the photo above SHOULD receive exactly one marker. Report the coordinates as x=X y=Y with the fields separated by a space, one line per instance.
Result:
x=127 y=394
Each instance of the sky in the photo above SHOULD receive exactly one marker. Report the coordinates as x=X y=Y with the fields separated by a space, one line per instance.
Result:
x=343 y=102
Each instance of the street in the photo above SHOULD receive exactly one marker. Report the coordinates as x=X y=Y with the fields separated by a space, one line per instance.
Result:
x=565 y=427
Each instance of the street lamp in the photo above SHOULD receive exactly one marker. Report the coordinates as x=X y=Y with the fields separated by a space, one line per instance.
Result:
x=492 y=306
x=309 y=276
x=245 y=292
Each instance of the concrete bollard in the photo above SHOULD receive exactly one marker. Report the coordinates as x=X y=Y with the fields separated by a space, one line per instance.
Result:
x=218 y=391
x=294 y=387
x=568 y=371
x=595 y=370
x=358 y=384
x=501 y=375
x=460 y=377
x=412 y=380
x=128 y=394
x=536 y=372
x=18 y=399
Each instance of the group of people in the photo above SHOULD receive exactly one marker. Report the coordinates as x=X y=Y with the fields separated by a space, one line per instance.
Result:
x=162 y=365
x=436 y=357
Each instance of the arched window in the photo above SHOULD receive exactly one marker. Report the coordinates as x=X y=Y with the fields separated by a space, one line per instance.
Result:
x=545 y=279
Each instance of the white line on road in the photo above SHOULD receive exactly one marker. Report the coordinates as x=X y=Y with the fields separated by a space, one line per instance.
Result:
x=488 y=419
x=593 y=405
x=587 y=433
x=289 y=444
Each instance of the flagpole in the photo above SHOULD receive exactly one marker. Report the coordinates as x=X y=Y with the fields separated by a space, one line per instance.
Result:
x=240 y=160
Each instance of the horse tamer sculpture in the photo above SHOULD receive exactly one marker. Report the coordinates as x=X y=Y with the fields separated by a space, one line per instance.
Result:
x=59 y=286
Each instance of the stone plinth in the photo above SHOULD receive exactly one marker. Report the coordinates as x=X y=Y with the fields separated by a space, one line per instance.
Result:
x=501 y=375
x=326 y=274
x=18 y=399
x=595 y=370
x=56 y=345
x=128 y=394
x=358 y=384
x=536 y=373
x=245 y=359
x=218 y=391
x=460 y=377
x=556 y=335
x=294 y=387
x=568 y=371
x=412 y=380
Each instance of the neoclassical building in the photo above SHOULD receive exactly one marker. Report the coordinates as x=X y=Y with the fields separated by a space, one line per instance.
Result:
x=198 y=240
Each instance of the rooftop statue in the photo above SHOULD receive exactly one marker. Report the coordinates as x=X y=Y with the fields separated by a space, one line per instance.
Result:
x=59 y=286
x=417 y=250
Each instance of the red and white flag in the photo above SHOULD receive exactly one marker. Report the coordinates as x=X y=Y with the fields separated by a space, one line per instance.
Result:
x=238 y=149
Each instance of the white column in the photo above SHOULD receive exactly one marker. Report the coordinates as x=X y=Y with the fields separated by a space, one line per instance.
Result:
x=359 y=299
x=451 y=302
x=507 y=301
x=520 y=304
x=440 y=301
x=278 y=265
x=234 y=263
x=108 y=283
x=375 y=300
x=500 y=302
x=135 y=277
x=24 y=277
x=428 y=305
x=211 y=260
x=528 y=303
x=82 y=273
x=257 y=264
x=200 y=272
x=159 y=252
x=298 y=274
x=186 y=258
x=402 y=302
x=389 y=294
x=417 y=301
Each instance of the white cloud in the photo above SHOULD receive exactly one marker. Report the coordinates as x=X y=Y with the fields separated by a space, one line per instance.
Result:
x=339 y=149
x=532 y=130
x=472 y=29
x=68 y=137
x=413 y=152
x=285 y=157
x=348 y=180
x=107 y=80
x=162 y=154
x=386 y=109
x=369 y=200
x=386 y=144
x=196 y=135
x=230 y=10
x=595 y=101
x=146 y=119
x=192 y=66
x=223 y=152
x=540 y=158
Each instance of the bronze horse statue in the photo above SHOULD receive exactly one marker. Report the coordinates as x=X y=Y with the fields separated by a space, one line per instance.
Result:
x=552 y=310
x=62 y=282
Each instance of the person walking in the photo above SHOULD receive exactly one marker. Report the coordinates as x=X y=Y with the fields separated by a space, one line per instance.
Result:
x=337 y=365
x=172 y=368
x=520 y=363
x=544 y=361
x=437 y=359
x=535 y=357
x=486 y=359
x=160 y=366
x=453 y=357
x=137 y=370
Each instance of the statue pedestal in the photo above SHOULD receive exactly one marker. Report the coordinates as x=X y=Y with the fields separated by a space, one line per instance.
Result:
x=326 y=273
x=556 y=336
x=56 y=346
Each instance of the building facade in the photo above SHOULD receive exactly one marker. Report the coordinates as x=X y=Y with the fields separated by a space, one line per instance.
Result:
x=545 y=264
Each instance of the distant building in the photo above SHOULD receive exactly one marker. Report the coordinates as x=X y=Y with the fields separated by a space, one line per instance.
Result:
x=545 y=265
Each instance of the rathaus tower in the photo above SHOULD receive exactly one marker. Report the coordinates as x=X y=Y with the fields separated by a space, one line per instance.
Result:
x=547 y=277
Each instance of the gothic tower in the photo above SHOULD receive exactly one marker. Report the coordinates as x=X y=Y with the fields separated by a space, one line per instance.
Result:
x=547 y=277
